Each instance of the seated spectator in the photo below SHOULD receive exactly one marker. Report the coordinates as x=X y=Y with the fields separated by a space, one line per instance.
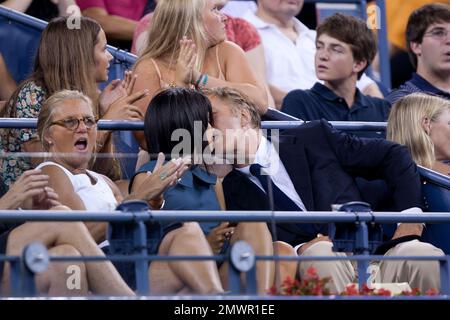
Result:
x=67 y=59
x=31 y=191
x=312 y=168
x=189 y=111
x=289 y=47
x=118 y=18
x=421 y=122
x=8 y=85
x=42 y=9
x=344 y=49
x=196 y=57
x=67 y=129
x=397 y=14
x=427 y=43
x=237 y=30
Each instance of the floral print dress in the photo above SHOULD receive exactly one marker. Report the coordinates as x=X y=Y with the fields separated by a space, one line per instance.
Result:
x=28 y=105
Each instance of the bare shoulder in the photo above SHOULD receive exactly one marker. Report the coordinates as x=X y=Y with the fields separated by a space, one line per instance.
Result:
x=228 y=45
x=228 y=49
x=57 y=177
x=144 y=65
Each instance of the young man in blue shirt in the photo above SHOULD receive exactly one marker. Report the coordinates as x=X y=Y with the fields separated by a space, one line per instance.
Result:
x=344 y=49
x=428 y=44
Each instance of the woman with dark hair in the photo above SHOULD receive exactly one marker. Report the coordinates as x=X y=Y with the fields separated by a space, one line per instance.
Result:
x=72 y=59
x=176 y=124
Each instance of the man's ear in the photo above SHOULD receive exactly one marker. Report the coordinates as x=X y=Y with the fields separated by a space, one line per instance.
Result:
x=245 y=119
x=416 y=48
x=359 y=65
x=426 y=125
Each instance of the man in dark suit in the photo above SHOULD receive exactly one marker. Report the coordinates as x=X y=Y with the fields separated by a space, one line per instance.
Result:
x=311 y=168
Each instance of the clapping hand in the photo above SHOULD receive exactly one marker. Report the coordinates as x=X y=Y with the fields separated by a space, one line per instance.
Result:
x=116 y=90
x=123 y=108
x=185 y=73
x=162 y=178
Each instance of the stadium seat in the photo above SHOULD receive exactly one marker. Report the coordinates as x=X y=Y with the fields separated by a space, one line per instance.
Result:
x=436 y=193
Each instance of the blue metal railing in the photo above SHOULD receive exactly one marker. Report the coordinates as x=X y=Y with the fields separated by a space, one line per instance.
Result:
x=141 y=217
x=139 y=125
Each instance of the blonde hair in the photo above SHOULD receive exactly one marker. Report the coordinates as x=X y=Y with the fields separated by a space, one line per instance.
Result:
x=48 y=109
x=236 y=101
x=405 y=124
x=172 y=20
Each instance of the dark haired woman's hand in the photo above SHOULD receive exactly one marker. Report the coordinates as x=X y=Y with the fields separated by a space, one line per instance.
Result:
x=184 y=73
x=158 y=181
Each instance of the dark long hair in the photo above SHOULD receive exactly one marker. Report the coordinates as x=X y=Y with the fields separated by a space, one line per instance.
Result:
x=172 y=109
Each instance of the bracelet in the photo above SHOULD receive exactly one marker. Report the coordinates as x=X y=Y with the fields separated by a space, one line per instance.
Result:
x=156 y=204
x=199 y=80
x=205 y=80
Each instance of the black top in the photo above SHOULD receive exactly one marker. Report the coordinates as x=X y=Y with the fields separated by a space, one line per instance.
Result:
x=320 y=102
x=42 y=9
x=323 y=165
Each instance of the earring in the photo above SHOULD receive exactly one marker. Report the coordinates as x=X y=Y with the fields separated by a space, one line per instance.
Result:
x=50 y=143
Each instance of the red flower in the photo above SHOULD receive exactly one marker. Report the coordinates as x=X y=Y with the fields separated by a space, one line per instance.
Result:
x=432 y=292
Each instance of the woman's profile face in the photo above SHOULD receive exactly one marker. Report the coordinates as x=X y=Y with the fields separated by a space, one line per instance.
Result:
x=72 y=133
x=440 y=135
x=102 y=57
x=214 y=22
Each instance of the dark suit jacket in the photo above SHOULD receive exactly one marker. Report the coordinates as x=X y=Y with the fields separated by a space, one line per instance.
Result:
x=323 y=164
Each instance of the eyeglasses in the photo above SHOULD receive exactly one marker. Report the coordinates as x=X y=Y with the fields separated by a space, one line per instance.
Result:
x=437 y=33
x=74 y=123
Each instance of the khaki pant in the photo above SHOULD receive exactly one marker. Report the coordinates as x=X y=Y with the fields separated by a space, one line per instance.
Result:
x=419 y=274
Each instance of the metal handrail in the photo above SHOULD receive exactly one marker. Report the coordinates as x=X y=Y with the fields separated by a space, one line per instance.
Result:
x=139 y=125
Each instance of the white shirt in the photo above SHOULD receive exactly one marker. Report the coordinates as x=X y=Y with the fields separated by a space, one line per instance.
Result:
x=96 y=197
x=290 y=65
x=239 y=8
x=268 y=157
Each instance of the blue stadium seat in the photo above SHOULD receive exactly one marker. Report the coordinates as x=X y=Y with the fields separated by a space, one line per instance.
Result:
x=436 y=192
x=19 y=40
